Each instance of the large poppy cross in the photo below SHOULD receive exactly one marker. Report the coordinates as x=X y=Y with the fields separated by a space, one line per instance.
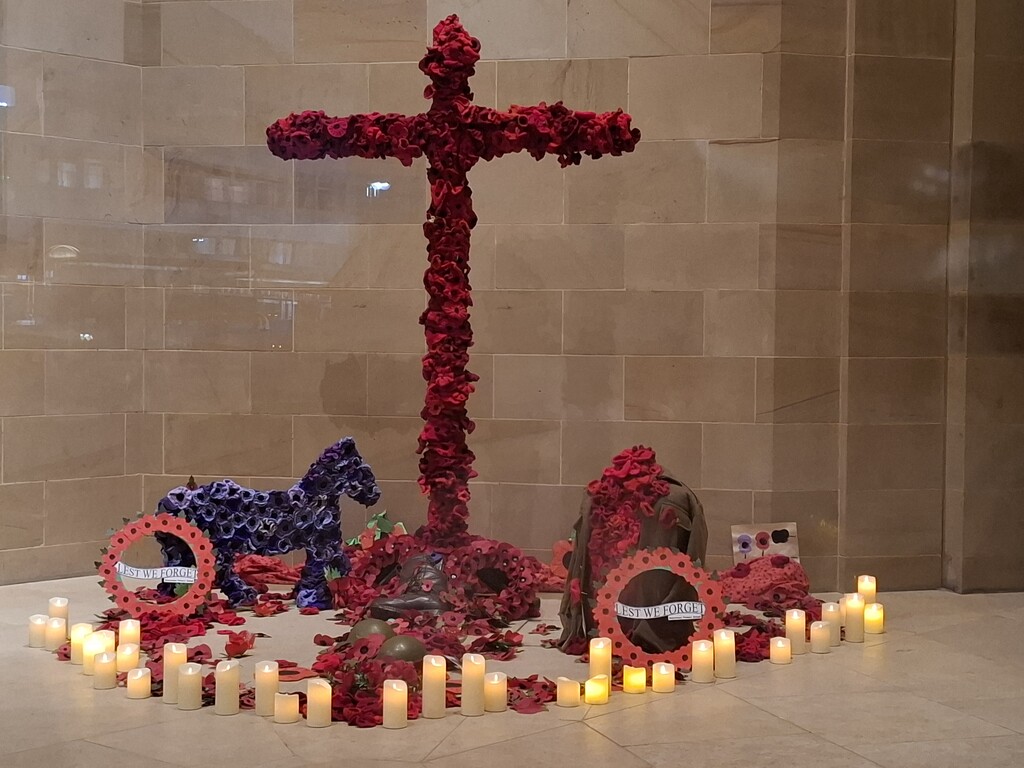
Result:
x=454 y=134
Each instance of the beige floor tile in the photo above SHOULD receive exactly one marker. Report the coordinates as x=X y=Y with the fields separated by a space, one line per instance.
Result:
x=798 y=751
x=1004 y=752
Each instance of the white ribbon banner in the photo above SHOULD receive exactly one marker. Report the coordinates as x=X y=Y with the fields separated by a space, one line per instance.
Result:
x=681 y=611
x=172 y=575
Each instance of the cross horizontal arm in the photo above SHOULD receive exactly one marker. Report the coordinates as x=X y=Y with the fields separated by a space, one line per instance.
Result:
x=315 y=135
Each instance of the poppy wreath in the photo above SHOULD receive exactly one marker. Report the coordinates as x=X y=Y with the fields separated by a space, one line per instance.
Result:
x=149 y=525
x=492 y=579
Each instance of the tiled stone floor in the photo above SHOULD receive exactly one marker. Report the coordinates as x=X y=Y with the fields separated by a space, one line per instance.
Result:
x=944 y=688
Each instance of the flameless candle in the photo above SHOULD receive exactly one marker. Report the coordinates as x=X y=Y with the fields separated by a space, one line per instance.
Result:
x=663 y=677
x=318 y=703
x=396 y=702
x=821 y=637
x=867 y=587
x=37 y=630
x=78 y=634
x=495 y=692
x=472 y=703
x=227 y=676
x=59 y=608
x=830 y=613
x=634 y=679
x=796 y=631
x=286 y=707
x=127 y=657
x=190 y=686
x=874 y=619
x=109 y=640
x=842 y=611
x=725 y=654
x=855 y=618
x=601 y=657
x=702 y=668
x=595 y=691
x=93 y=645
x=779 y=651
x=266 y=687
x=56 y=633
x=175 y=654
x=435 y=675
x=140 y=684
x=568 y=692
x=104 y=671
x=129 y=632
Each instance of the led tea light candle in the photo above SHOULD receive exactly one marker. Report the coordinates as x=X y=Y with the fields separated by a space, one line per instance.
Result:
x=93 y=645
x=59 y=608
x=266 y=687
x=435 y=676
x=104 y=671
x=725 y=654
x=127 y=657
x=821 y=637
x=663 y=676
x=227 y=677
x=129 y=632
x=190 y=686
x=78 y=634
x=472 y=703
x=595 y=690
x=855 y=618
x=568 y=692
x=601 y=657
x=140 y=684
x=830 y=613
x=37 y=630
x=286 y=707
x=702 y=668
x=779 y=651
x=867 y=587
x=175 y=654
x=874 y=619
x=495 y=692
x=796 y=631
x=318 y=703
x=396 y=703
x=56 y=633
x=634 y=679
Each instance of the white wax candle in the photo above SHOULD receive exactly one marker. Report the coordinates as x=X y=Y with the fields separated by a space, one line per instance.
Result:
x=129 y=632
x=93 y=645
x=435 y=677
x=190 y=686
x=634 y=679
x=127 y=657
x=37 y=630
x=495 y=692
x=702 y=667
x=175 y=654
x=779 y=651
x=796 y=631
x=663 y=676
x=874 y=619
x=568 y=692
x=595 y=690
x=601 y=657
x=59 y=608
x=104 y=671
x=226 y=678
x=109 y=640
x=830 y=613
x=286 y=707
x=396 y=703
x=842 y=611
x=266 y=687
x=855 y=618
x=867 y=587
x=78 y=634
x=472 y=703
x=56 y=633
x=318 y=703
x=140 y=684
x=725 y=654
x=821 y=637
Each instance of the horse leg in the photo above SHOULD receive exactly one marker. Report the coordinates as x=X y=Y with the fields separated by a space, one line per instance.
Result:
x=312 y=590
x=230 y=583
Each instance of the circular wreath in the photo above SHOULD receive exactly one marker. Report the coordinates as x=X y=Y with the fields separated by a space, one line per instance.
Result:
x=493 y=567
x=708 y=591
x=194 y=539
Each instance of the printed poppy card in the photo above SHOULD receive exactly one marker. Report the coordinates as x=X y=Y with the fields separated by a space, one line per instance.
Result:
x=752 y=541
